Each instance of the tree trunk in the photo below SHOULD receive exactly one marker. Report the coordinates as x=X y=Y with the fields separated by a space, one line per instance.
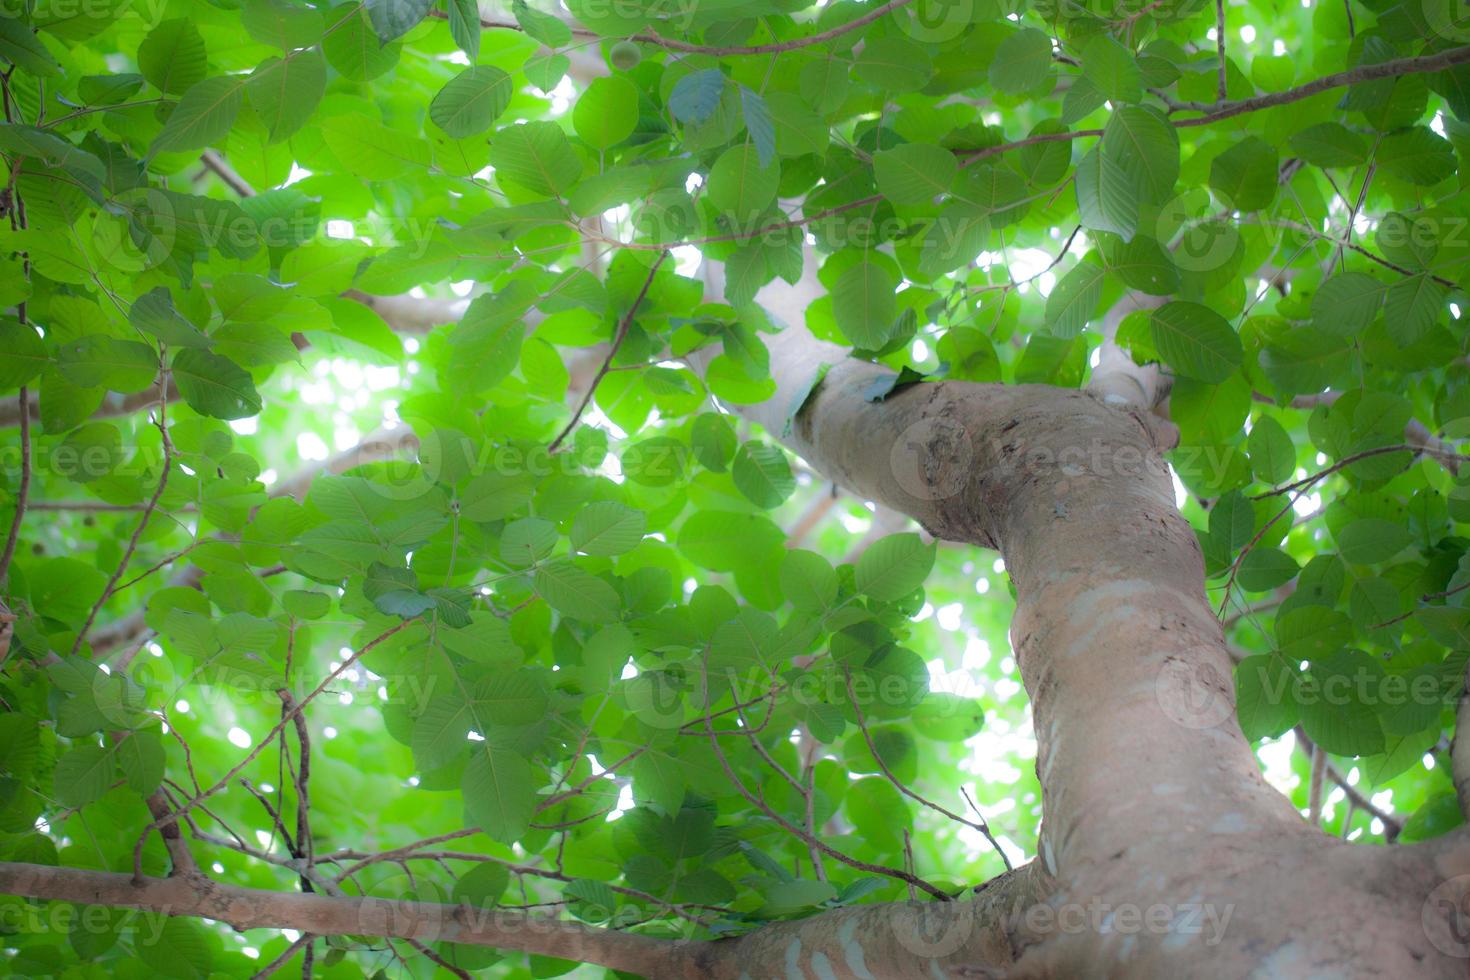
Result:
x=1163 y=852
x=1169 y=854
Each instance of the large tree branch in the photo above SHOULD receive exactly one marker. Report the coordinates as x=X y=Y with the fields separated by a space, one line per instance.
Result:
x=984 y=932
x=1140 y=756
x=251 y=908
x=1216 y=111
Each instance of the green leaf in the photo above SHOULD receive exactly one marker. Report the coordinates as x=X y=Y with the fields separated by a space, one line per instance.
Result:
x=214 y=385
x=1346 y=304
x=172 y=57
x=536 y=156
x=1143 y=265
x=306 y=605
x=98 y=361
x=369 y=149
x=658 y=778
x=1264 y=697
x=1412 y=306
x=25 y=355
x=1263 y=568
x=1273 y=457
x=1246 y=174
x=955 y=238
x=19 y=46
x=576 y=593
x=607 y=528
x=808 y=581
x=353 y=48
x=499 y=796
x=203 y=116
x=758 y=124
x=154 y=314
x=892 y=64
x=798 y=129
x=281 y=24
x=713 y=440
x=394 y=18
x=1107 y=197
x=696 y=96
x=485 y=345
x=739 y=185
x=394 y=591
x=546 y=70
x=864 y=305
x=1330 y=144
x=83 y=775
x=472 y=100
x=723 y=540
x=179 y=948
x=1418 y=155
x=284 y=92
x=945 y=717
x=516 y=698
x=1196 y=341
x=108 y=89
x=1370 y=540
x=482 y=886
x=1112 y=69
x=1074 y=299
x=464 y=26
x=1145 y=148
x=1333 y=713
x=254 y=344
x=762 y=473
x=606 y=113
x=1022 y=61
x=549 y=29
x=894 y=566
x=914 y=173
x=527 y=541
x=52 y=150
x=140 y=756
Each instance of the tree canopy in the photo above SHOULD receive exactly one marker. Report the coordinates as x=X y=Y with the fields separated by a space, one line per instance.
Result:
x=377 y=505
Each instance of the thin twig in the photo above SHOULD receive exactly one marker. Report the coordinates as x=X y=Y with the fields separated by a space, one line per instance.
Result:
x=439 y=960
x=1314 y=788
x=179 y=855
x=270 y=968
x=1221 y=86
x=981 y=825
x=1427 y=598
x=622 y=334
x=25 y=484
x=215 y=163
x=1214 y=112
x=1392 y=825
x=791 y=828
x=1347 y=235
x=286 y=718
x=127 y=555
x=720 y=51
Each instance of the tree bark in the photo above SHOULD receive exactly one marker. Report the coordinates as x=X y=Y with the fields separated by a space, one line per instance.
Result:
x=1163 y=852
x=1171 y=855
x=909 y=939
